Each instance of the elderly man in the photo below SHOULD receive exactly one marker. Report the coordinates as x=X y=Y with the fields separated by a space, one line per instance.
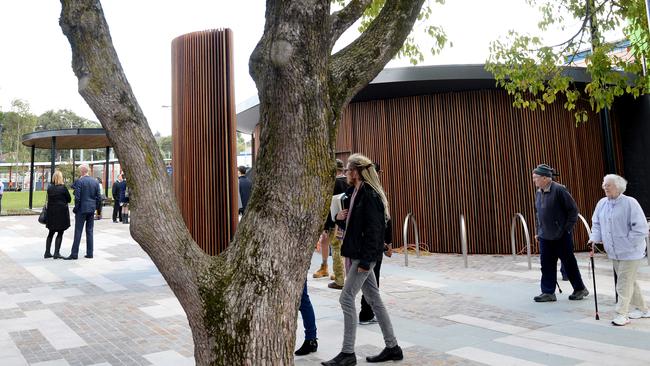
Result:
x=87 y=197
x=556 y=213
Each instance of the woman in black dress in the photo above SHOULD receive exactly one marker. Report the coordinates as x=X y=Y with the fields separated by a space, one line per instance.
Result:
x=58 y=215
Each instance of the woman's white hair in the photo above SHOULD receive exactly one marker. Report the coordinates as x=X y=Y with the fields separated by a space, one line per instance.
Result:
x=617 y=180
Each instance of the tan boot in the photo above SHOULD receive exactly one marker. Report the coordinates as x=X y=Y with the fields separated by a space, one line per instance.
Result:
x=322 y=272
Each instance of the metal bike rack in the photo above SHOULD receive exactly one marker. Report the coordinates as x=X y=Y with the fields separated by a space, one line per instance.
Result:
x=463 y=238
x=410 y=216
x=526 y=236
x=585 y=223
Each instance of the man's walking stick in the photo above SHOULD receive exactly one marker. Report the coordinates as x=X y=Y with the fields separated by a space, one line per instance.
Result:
x=593 y=275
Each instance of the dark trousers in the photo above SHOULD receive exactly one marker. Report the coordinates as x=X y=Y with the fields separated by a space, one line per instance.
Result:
x=308 y=316
x=366 y=312
x=79 y=220
x=550 y=251
x=117 y=210
x=57 y=243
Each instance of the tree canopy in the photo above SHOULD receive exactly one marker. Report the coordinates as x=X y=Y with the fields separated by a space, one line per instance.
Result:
x=241 y=305
x=20 y=120
x=533 y=72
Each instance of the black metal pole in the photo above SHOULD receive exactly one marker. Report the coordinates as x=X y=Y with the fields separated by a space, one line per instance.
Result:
x=608 y=142
x=52 y=159
x=605 y=123
x=73 y=166
x=108 y=150
x=31 y=179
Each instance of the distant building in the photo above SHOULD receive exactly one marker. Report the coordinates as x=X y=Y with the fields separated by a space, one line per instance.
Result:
x=621 y=50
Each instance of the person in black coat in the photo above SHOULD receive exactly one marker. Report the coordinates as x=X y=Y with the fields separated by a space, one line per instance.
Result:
x=124 y=200
x=245 y=187
x=364 y=223
x=117 y=209
x=58 y=215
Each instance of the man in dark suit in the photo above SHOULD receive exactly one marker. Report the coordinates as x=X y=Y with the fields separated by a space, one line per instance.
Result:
x=245 y=186
x=117 y=209
x=87 y=198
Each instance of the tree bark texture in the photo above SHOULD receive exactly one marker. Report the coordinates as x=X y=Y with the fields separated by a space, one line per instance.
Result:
x=242 y=305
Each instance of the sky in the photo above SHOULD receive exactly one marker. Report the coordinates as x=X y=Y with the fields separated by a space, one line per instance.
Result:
x=35 y=58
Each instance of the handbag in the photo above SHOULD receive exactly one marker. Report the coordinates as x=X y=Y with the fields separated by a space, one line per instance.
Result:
x=42 y=218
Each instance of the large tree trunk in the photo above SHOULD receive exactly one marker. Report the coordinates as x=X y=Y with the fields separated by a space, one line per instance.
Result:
x=242 y=304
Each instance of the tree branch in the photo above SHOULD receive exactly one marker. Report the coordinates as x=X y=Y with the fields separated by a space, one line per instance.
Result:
x=344 y=18
x=157 y=224
x=357 y=64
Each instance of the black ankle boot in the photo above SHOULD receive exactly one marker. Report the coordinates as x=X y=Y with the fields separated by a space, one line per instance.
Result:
x=387 y=354
x=57 y=248
x=47 y=255
x=342 y=359
x=309 y=346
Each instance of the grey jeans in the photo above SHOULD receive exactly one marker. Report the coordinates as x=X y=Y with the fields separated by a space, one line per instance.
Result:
x=366 y=282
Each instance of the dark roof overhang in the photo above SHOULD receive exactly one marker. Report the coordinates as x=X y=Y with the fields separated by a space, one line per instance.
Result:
x=409 y=81
x=68 y=138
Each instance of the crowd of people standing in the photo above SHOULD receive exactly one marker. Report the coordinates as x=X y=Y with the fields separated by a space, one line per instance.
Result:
x=88 y=201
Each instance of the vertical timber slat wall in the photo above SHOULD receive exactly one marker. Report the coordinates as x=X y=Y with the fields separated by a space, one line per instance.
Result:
x=203 y=126
x=472 y=153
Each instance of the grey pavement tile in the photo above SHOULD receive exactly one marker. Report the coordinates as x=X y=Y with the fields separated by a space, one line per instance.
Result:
x=118 y=332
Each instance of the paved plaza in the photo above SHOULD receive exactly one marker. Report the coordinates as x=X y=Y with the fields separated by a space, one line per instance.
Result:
x=116 y=309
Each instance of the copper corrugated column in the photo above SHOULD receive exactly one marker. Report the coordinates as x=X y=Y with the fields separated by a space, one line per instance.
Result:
x=203 y=128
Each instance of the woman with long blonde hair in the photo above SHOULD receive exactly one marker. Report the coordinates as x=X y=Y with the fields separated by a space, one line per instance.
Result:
x=364 y=223
x=58 y=215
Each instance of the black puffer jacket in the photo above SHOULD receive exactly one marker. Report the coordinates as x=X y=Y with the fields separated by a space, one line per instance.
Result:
x=366 y=227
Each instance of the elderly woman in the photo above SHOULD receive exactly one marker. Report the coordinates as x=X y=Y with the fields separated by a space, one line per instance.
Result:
x=619 y=223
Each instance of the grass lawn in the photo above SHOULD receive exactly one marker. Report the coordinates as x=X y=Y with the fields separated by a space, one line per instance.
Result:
x=17 y=203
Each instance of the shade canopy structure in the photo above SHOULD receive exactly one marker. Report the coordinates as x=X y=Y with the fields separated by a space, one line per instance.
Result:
x=67 y=138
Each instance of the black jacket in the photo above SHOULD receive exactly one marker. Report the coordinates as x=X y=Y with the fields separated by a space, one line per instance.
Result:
x=245 y=187
x=116 y=191
x=58 y=216
x=556 y=212
x=366 y=228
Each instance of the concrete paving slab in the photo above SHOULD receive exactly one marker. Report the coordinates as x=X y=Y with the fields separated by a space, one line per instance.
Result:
x=116 y=309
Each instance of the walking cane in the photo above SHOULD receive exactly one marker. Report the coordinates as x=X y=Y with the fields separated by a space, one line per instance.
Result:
x=558 y=286
x=593 y=274
x=615 y=283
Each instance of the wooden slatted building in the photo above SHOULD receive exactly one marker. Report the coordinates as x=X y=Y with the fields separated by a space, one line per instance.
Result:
x=450 y=143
